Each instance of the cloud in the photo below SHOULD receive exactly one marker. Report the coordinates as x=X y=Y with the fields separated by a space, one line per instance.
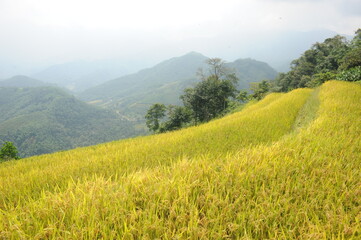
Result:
x=350 y=8
x=43 y=31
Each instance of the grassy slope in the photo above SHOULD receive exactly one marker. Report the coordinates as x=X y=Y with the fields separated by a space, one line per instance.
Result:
x=246 y=175
x=47 y=119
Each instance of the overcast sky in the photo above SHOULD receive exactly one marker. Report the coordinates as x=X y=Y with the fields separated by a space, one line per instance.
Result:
x=55 y=31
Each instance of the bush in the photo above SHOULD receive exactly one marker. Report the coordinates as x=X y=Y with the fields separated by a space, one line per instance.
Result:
x=8 y=152
x=350 y=75
x=319 y=78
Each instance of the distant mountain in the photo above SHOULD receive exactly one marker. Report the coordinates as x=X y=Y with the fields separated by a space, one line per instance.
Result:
x=250 y=70
x=80 y=75
x=165 y=82
x=175 y=69
x=47 y=119
x=22 y=81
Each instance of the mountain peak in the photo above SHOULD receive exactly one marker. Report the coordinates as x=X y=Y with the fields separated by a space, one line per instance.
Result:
x=23 y=77
x=196 y=54
x=22 y=81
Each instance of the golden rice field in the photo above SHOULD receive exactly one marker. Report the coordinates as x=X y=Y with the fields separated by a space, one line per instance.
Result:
x=287 y=167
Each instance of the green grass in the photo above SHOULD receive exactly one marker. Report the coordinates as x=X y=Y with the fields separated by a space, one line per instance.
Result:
x=308 y=112
x=249 y=175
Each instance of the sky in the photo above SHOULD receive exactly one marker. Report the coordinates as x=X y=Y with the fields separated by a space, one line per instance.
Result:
x=44 y=32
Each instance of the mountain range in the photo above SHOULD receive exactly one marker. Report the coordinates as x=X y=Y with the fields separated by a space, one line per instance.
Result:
x=41 y=118
x=80 y=75
x=165 y=82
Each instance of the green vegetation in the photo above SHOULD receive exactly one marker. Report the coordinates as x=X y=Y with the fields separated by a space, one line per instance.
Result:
x=350 y=75
x=259 y=90
x=207 y=100
x=132 y=95
x=335 y=58
x=47 y=119
x=210 y=97
x=242 y=96
x=8 y=152
x=255 y=174
x=154 y=114
x=178 y=117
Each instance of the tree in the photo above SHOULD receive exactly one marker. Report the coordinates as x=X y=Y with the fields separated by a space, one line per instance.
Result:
x=351 y=59
x=356 y=41
x=210 y=97
x=8 y=152
x=242 y=96
x=350 y=75
x=178 y=117
x=215 y=68
x=155 y=113
x=323 y=57
x=260 y=89
x=319 y=78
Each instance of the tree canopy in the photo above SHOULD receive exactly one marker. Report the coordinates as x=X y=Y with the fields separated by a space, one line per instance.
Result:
x=155 y=113
x=8 y=152
x=208 y=99
x=322 y=62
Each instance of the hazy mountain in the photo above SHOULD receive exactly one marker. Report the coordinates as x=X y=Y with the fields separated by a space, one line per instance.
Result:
x=47 y=119
x=10 y=68
x=175 y=69
x=250 y=70
x=165 y=82
x=80 y=75
x=22 y=81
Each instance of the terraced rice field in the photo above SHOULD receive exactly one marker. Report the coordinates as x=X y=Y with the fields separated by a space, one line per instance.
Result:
x=287 y=167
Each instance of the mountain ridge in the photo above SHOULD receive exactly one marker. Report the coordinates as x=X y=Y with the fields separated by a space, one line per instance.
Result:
x=79 y=75
x=46 y=119
x=165 y=82
x=22 y=81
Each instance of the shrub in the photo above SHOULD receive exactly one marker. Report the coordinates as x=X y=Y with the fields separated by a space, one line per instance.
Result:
x=350 y=75
x=8 y=152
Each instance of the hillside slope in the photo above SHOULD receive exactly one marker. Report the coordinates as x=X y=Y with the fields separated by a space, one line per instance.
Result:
x=47 y=119
x=175 y=69
x=268 y=172
x=164 y=83
x=22 y=81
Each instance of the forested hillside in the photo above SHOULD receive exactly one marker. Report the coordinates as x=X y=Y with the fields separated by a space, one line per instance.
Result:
x=164 y=83
x=22 y=81
x=334 y=58
x=47 y=119
x=286 y=167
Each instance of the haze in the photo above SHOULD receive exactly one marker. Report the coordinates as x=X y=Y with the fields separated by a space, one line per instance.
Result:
x=38 y=33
